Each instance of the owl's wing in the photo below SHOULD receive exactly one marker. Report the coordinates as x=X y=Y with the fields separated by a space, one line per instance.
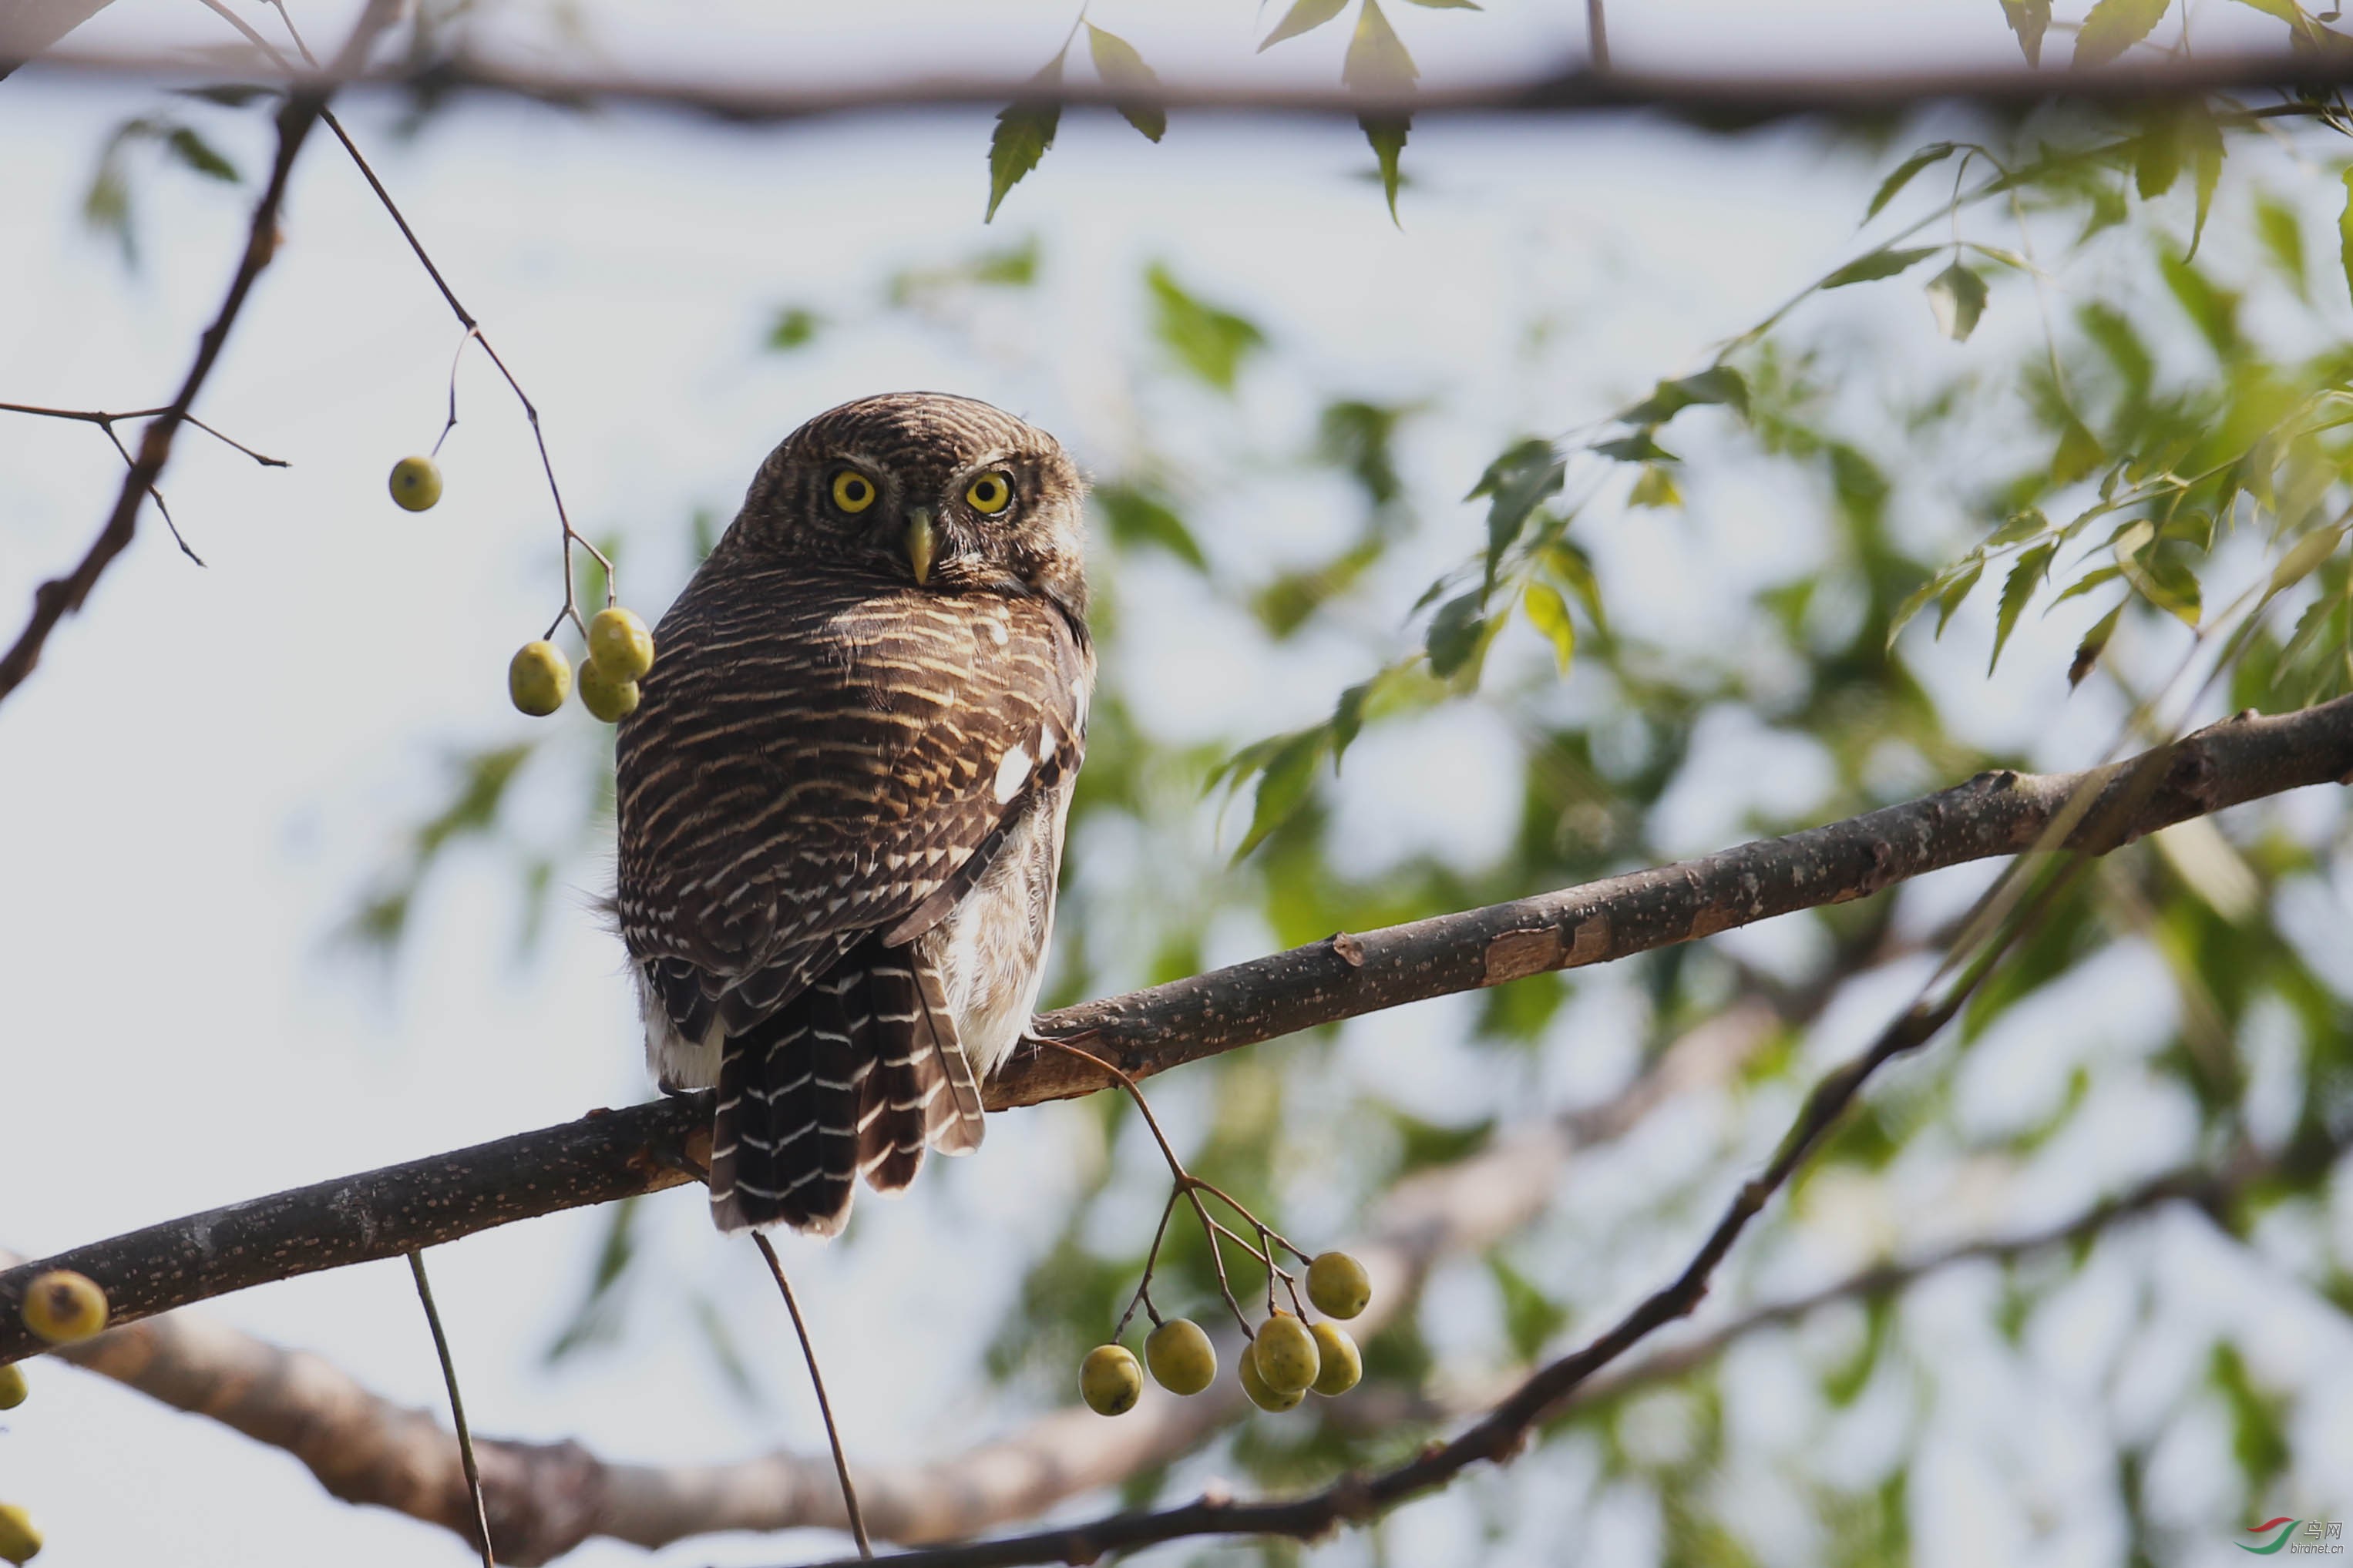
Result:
x=812 y=761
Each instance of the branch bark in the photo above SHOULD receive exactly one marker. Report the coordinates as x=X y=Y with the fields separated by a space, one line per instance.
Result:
x=610 y=1154
x=1578 y=82
x=543 y=1500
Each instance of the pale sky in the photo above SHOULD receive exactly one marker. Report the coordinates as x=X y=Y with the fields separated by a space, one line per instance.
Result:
x=209 y=765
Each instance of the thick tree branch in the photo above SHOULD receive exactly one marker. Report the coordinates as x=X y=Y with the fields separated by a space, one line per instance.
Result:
x=1578 y=83
x=543 y=1500
x=611 y=1154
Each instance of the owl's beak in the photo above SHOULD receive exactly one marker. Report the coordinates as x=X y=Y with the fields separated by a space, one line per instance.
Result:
x=922 y=540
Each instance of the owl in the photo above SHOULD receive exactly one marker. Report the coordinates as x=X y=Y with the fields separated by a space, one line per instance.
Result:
x=841 y=797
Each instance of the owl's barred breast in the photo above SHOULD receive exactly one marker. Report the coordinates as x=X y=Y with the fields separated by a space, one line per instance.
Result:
x=817 y=752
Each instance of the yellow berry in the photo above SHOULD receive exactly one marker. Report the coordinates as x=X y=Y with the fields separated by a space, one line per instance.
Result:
x=415 y=483
x=1254 y=1383
x=1182 y=1359
x=1341 y=1365
x=19 y=1542
x=619 y=641
x=1336 y=1284
x=1110 y=1380
x=1286 y=1354
x=610 y=699
x=539 y=678
x=11 y=1386
x=62 y=1306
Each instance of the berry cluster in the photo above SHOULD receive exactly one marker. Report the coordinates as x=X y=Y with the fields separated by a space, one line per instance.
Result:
x=1285 y=1360
x=621 y=651
x=539 y=678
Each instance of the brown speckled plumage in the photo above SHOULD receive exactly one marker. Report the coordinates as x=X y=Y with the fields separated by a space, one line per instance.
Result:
x=841 y=801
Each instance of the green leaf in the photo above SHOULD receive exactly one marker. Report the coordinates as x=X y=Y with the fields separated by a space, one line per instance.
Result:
x=1386 y=133
x=1655 y=487
x=2304 y=559
x=1954 y=594
x=1548 y=613
x=1378 y=60
x=2029 y=19
x=1135 y=517
x=2079 y=453
x=2157 y=159
x=228 y=95
x=1575 y=569
x=1457 y=632
x=1283 y=785
x=1638 y=448
x=1304 y=15
x=795 y=328
x=1518 y=482
x=2019 y=527
x=2287 y=10
x=2282 y=234
x=2027 y=573
x=1957 y=296
x=1878 y=264
x=1124 y=71
x=2086 y=583
x=1024 y=130
x=1530 y=1317
x=2114 y=25
x=2205 y=141
x=1893 y=184
x=2214 y=311
x=2345 y=230
x=1717 y=384
x=198 y=154
x=2088 y=651
x=1210 y=342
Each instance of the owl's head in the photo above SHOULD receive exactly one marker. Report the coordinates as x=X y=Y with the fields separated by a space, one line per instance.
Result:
x=942 y=491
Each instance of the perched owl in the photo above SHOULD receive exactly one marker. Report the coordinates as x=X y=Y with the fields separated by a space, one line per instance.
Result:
x=842 y=794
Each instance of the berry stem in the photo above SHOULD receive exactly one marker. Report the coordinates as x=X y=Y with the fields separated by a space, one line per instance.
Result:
x=456 y=1403
x=816 y=1381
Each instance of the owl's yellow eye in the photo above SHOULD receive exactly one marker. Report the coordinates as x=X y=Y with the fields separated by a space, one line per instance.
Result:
x=991 y=494
x=852 y=492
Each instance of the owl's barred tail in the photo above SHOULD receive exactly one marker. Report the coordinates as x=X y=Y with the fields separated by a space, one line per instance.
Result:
x=856 y=1076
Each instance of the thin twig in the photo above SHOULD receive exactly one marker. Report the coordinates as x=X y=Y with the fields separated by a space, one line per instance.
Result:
x=456 y=1403
x=60 y=596
x=466 y=319
x=824 y=1406
x=1597 y=36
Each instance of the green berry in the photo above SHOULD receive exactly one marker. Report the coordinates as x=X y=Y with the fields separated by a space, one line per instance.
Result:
x=1261 y=1393
x=19 y=1542
x=1287 y=1358
x=1110 y=1381
x=415 y=483
x=62 y=1306
x=539 y=678
x=611 y=700
x=1337 y=1285
x=618 y=640
x=1341 y=1366
x=11 y=1386
x=1182 y=1359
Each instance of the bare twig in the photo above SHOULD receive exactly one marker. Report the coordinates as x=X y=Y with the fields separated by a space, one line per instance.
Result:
x=457 y=1406
x=824 y=1406
x=473 y=332
x=60 y=596
x=611 y=1154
